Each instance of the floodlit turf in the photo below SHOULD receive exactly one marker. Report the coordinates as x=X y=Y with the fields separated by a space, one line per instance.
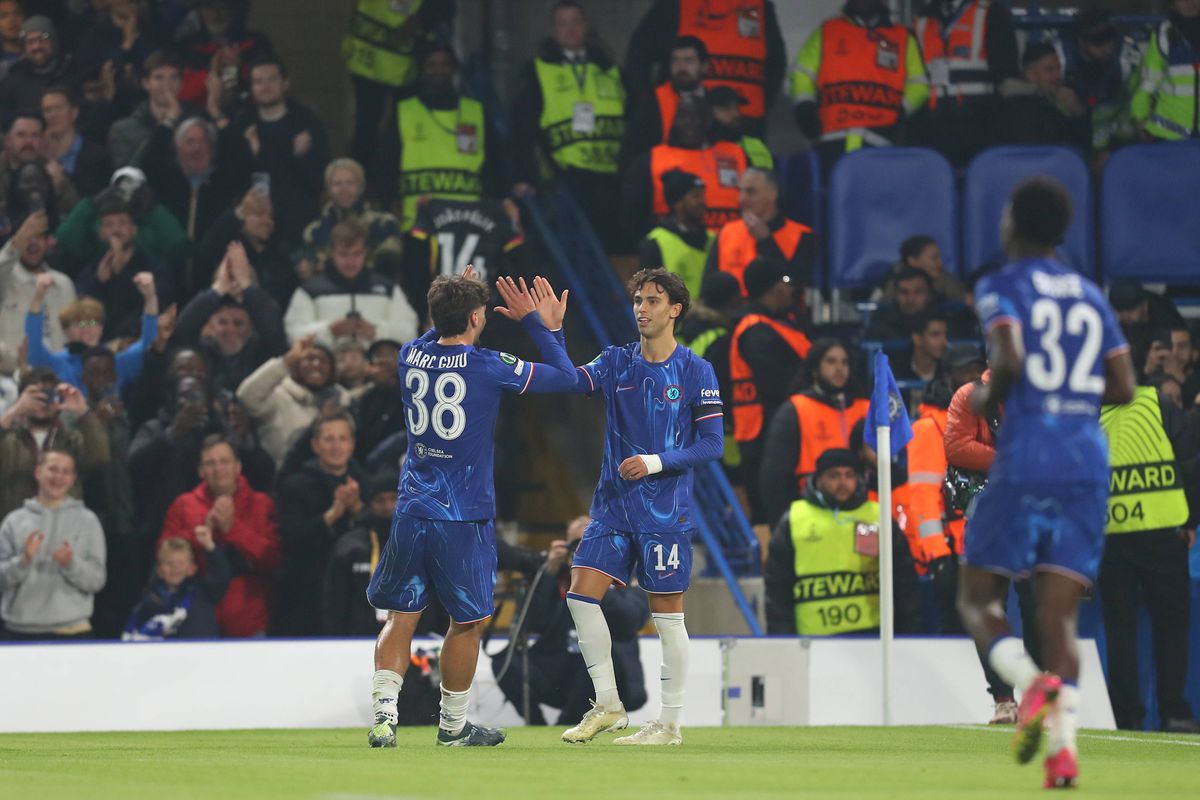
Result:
x=714 y=762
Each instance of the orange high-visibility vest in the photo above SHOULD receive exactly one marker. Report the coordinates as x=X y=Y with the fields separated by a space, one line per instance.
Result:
x=900 y=496
x=734 y=31
x=927 y=527
x=956 y=54
x=736 y=248
x=823 y=427
x=719 y=166
x=747 y=407
x=668 y=102
x=861 y=80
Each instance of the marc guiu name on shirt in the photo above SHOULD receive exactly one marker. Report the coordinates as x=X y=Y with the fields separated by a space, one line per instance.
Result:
x=429 y=361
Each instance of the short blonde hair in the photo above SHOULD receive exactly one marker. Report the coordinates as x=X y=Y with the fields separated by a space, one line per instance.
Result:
x=80 y=309
x=175 y=544
x=348 y=164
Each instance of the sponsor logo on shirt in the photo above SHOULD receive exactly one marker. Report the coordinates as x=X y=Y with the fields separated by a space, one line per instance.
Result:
x=424 y=451
x=713 y=395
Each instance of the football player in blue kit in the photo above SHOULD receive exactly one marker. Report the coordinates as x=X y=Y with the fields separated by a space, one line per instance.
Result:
x=663 y=413
x=442 y=539
x=1056 y=353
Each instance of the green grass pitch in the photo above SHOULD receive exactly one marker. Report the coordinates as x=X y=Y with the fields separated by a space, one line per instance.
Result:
x=714 y=762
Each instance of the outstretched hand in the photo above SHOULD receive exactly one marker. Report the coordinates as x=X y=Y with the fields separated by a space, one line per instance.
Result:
x=518 y=302
x=551 y=307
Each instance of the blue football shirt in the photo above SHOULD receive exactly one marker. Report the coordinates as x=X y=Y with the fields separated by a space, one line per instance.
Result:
x=650 y=409
x=451 y=397
x=1051 y=429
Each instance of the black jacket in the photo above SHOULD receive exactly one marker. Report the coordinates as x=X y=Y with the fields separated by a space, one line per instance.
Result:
x=120 y=296
x=267 y=341
x=272 y=264
x=218 y=192
x=302 y=498
x=779 y=577
x=296 y=181
x=22 y=88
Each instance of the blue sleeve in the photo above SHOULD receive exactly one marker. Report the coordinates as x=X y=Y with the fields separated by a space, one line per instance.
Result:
x=705 y=389
x=130 y=360
x=557 y=374
x=37 y=355
x=994 y=306
x=709 y=446
x=597 y=373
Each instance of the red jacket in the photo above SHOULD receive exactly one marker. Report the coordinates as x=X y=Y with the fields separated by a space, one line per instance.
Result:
x=245 y=608
x=969 y=441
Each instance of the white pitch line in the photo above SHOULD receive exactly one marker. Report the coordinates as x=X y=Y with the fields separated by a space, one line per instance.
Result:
x=1101 y=736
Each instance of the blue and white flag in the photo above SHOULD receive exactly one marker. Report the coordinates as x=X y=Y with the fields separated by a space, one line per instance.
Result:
x=887 y=408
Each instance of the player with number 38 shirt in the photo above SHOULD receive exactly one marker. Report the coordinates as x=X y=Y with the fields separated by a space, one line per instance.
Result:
x=442 y=539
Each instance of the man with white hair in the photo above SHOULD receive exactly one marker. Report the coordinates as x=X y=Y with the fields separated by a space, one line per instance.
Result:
x=196 y=171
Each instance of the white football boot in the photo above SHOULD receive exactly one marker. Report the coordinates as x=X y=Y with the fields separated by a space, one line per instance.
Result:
x=653 y=733
x=595 y=722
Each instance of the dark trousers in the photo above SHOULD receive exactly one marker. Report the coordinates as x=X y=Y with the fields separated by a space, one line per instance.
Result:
x=597 y=194
x=558 y=679
x=950 y=624
x=1149 y=567
x=371 y=100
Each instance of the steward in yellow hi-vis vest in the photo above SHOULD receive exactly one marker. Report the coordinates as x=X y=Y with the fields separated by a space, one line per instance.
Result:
x=568 y=120
x=822 y=576
x=1145 y=490
x=379 y=45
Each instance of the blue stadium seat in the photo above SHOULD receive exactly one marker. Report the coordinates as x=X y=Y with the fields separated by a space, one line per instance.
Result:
x=880 y=197
x=991 y=178
x=1148 y=224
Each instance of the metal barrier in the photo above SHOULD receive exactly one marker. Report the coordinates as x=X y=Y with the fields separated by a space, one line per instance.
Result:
x=597 y=294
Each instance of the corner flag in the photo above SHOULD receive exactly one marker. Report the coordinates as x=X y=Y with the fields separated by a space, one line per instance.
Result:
x=887 y=408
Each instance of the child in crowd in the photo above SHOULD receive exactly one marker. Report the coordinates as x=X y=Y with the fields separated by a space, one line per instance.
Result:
x=178 y=603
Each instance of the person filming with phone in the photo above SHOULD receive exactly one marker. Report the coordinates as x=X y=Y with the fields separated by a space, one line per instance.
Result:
x=37 y=423
x=822 y=575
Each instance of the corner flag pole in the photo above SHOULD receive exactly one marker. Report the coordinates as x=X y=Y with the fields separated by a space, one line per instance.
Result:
x=883 y=457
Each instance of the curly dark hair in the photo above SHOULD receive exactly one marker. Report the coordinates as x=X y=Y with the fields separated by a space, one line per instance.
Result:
x=676 y=290
x=451 y=301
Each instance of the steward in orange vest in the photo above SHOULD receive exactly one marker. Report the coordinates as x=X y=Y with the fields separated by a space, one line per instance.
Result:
x=970 y=48
x=856 y=78
x=719 y=165
x=763 y=232
x=653 y=113
x=807 y=424
x=766 y=353
x=745 y=48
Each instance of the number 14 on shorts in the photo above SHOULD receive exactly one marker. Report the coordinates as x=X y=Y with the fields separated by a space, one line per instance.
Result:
x=672 y=557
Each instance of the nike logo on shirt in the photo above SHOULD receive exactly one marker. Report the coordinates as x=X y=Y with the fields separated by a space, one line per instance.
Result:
x=625 y=388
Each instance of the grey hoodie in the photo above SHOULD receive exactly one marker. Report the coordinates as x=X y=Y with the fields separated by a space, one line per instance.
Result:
x=42 y=597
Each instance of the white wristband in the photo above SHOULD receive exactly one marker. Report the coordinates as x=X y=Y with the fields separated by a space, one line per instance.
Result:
x=653 y=463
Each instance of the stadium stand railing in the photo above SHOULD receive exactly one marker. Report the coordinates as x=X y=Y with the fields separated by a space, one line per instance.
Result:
x=597 y=294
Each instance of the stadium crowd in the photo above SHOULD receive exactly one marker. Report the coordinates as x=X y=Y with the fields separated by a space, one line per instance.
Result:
x=202 y=305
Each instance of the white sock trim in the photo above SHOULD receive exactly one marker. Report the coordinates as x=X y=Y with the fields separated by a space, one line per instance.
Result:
x=1012 y=663
x=453 y=717
x=385 y=693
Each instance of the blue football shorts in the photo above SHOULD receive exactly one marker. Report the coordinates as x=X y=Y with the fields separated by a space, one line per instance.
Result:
x=1015 y=529
x=454 y=560
x=663 y=560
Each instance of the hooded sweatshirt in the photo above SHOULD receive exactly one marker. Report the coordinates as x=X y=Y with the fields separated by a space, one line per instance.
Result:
x=42 y=597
